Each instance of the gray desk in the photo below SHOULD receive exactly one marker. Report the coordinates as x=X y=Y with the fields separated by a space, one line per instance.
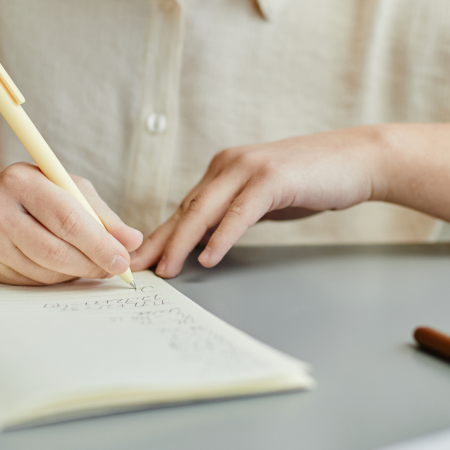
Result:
x=349 y=311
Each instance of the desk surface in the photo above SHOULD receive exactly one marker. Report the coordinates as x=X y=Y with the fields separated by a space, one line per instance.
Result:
x=349 y=311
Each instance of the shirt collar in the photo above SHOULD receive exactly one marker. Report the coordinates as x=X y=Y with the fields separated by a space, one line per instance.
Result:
x=270 y=8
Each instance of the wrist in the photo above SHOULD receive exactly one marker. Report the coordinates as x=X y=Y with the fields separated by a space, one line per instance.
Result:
x=378 y=159
x=414 y=164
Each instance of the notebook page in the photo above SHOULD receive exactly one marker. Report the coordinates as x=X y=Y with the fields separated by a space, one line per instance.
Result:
x=97 y=337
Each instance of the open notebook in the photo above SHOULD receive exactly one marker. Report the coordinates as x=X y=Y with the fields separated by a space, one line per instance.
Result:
x=87 y=347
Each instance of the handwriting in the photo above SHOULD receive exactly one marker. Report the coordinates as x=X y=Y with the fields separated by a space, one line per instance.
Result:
x=189 y=338
x=115 y=303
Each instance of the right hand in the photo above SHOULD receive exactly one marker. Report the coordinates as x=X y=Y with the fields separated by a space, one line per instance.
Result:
x=47 y=237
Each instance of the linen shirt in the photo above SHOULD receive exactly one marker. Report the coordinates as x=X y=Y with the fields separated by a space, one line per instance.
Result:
x=138 y=95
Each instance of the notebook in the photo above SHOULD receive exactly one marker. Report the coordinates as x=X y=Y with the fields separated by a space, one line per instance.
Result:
x=87 y=348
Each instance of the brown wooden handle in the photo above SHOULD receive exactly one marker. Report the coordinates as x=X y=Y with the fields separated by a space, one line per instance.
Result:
x=433 y=340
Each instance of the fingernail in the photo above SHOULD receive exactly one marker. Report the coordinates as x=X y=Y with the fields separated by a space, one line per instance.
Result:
x=118 y=265
x=161 y=267
x=204 y=255
x=133 y=255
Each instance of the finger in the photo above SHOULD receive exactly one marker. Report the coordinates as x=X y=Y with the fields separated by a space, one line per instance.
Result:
x=129 y=237
x=49 y=251
x=12 y=257
x=245 y=211
x=64 y=216
x=10 y=276
x=152 y=248
x=204 y=212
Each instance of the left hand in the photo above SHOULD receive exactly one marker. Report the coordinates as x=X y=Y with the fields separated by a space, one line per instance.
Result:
x=288 y=179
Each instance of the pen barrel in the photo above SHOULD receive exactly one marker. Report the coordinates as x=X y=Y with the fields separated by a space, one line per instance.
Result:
x=43 y=155
x=39 y=150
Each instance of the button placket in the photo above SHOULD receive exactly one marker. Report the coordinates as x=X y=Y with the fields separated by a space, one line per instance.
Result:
x=152 y=153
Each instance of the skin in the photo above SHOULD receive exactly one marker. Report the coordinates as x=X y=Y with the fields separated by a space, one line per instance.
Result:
x=404 y=164
x=46 y=237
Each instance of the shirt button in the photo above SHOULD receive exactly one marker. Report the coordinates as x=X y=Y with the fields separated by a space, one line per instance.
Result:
x=157 y=123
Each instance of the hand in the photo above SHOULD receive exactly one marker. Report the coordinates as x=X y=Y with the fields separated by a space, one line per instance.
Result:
x=288 y=179
x=47 y=237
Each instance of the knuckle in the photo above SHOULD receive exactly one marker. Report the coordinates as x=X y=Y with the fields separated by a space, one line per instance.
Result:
x=16 y=175
x=70 y=225
x=182 y=209
x=227 y=155
x=194 y=205
x=272 y=170
x=219 y=158
x=248 y=159
x=236 y=211
x=56 y=255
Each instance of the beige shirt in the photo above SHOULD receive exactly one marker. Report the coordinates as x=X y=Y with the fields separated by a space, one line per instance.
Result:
x=138 y=95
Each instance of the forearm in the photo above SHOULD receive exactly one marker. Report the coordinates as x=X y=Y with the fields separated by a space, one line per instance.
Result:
x=415 y=167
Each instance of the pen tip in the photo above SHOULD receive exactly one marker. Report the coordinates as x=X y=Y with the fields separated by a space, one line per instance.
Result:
x=133 y=285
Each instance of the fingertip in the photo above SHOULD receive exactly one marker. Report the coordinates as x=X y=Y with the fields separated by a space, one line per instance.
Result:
x=207 y=265
x=161 y=268
x=205 y=256
x=137 y=239
x=210 y=262
x=145 y=256
x=131 y=238
x=164 y=269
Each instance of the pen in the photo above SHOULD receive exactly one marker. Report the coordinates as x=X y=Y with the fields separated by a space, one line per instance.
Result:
x=433 y=341
x=46 y=160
